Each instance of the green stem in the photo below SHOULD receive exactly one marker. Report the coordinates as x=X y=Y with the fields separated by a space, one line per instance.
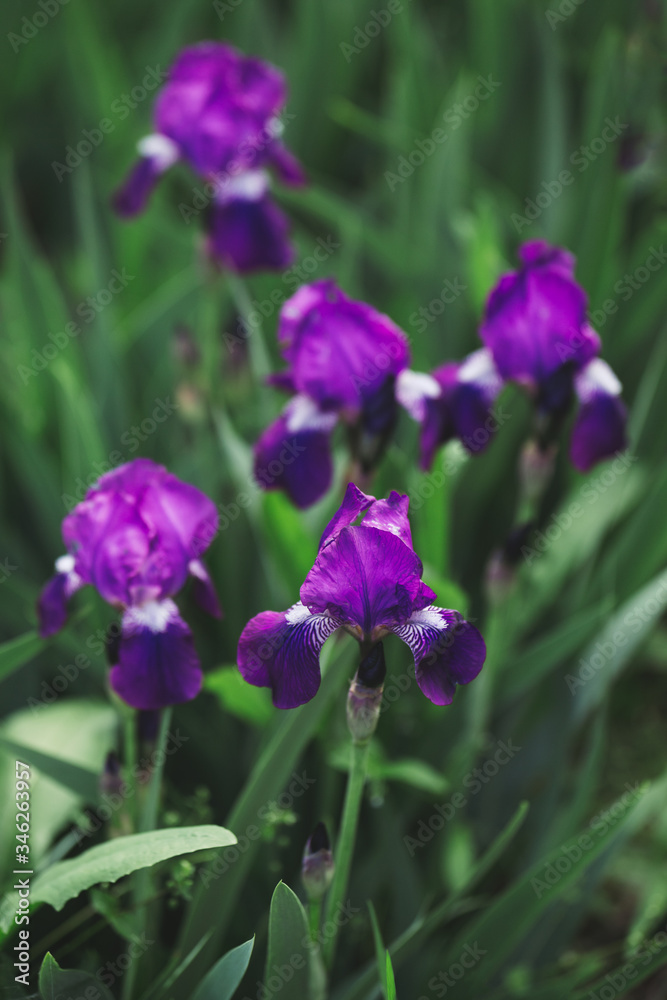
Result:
x=345 y=846
x=314 y=915
x=143 y=882
x=259 y=357
x=130 y=750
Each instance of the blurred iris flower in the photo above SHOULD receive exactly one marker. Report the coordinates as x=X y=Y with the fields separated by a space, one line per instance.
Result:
x=136 y=537
x=220 y=112
x=536 y=329
x=367 y=581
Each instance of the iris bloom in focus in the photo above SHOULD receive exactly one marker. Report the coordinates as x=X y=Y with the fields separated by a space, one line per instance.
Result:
x=536 y=329
x=220 y=112
x=367 y=581
x=136 y=537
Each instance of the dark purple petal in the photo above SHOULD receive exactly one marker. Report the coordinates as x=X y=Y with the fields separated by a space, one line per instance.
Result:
x=294 y=453
x=52 y=602
x=158 y=663
x=366 y=576
x=340 y=351
x=447 y=651
x=282 y=651
x=600 y=426
x=250 y=235
x=354 y=502
x=536 y=317
x=158 y=153
x=203 y=589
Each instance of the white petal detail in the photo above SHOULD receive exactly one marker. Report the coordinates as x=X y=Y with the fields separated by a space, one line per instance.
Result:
x=303 y=414
x=159 y=148
x=412 y=391
x=596 y=377
x=153 y=615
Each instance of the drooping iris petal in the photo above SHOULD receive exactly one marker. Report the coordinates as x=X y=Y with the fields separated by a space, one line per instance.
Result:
x=158 y=664
x=366 y=577
x=157 y=154
x=294 y=453
x=250 y=234
x=340 y=351
x=536 y=317
x=203 y=590
x=52 y=602
x=447 y=651
x=281 y=651
x=600 y=426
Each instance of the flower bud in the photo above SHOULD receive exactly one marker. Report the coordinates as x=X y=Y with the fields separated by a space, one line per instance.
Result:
x=110 y=779
x=365 y=695
x=317 y=868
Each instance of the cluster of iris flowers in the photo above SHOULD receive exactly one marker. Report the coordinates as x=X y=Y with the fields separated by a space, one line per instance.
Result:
x=140 y=532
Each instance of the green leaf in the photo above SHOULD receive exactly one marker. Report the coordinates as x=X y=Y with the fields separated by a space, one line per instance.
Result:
x=79 y=779
x=111 y=861
x=291 y=949
x=222 y=980
x=55 y=983
x=616 y=643
x=410 y=771
x=389 y=974
x=385 y=968
x=17 y=652
x=252 y=704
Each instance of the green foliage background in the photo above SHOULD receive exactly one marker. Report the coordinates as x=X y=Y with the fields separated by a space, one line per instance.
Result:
x=355 y=115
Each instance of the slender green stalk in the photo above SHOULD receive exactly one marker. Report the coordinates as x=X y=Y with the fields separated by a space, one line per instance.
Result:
x=148 y=816
x=345 y=846
x=259 y=357
x=130 y=749
x=314 y=917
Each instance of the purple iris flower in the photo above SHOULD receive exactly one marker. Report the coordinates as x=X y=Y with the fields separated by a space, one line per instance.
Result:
x=537 y=331
x=366 y=580
x=137 y=536
x=220 y=112
x=343 y=359
x=454 y=402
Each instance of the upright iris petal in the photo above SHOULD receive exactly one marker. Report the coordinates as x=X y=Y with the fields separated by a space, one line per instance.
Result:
x=136 y=537
x=219 y=111
x=367 y=580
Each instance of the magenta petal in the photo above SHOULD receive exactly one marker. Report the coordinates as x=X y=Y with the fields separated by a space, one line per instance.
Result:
x=282 y=651
x=250 y=235
x=287 y=166
x=158 y=664
x=447 y=651
x=391 y=515
x=203 y=589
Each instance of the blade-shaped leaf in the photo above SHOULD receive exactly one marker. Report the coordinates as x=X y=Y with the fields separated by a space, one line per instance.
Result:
x=55 y=982
x=222 y=980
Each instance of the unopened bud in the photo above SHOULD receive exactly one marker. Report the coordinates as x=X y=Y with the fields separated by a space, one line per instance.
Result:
x=317 y=869
x=365 y=695
x=110 y=779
